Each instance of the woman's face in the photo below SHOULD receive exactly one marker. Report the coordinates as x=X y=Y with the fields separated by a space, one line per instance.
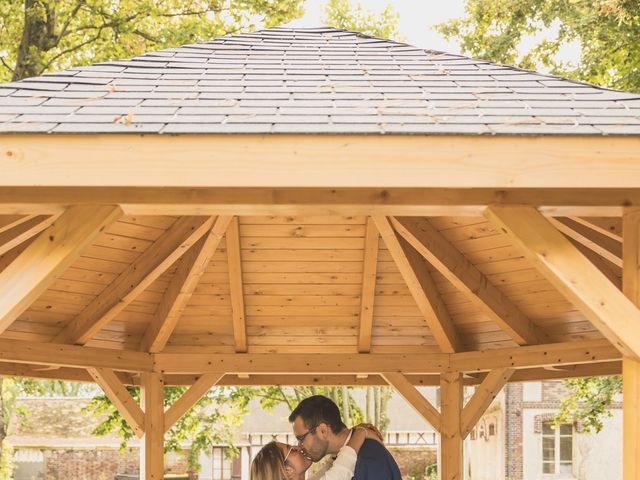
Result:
x=295 y=463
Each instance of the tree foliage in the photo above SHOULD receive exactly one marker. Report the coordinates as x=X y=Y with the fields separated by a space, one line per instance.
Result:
x=607 y=32
x=348 y=16
x=43 y=35
x=210 y=422
x=589 y=401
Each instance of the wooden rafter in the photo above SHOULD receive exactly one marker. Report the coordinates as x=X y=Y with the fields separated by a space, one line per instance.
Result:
x=31 y=273
x=416 y=275
x=599 y=243
x=7 y=222
x=120 y=397
x=455 y=267
x=22 y=232
x=190 y=269
x=609 y=226
x=482 y=398
x=135 y=279
x=414 y=398
x=572 y=274
x=367 y=296
x=189 y=398
x=236 y=287
x=608 y=269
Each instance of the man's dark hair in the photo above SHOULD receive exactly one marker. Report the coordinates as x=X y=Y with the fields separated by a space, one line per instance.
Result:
x=316 y=410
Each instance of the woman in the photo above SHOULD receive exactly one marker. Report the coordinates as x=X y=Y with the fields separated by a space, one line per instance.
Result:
x=279 y=461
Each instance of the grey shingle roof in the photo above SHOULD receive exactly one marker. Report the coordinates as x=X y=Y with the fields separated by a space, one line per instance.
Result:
x=318 y=80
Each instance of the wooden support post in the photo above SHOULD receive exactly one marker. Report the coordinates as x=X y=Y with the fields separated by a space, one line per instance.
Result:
x=451 y=467
x=631 y=366
x=152 y=445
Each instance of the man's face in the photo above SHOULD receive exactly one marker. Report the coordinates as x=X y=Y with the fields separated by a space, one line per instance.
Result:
x=312 y=441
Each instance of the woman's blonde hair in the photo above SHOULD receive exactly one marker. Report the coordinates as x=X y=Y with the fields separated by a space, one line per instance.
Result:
x=268 y=464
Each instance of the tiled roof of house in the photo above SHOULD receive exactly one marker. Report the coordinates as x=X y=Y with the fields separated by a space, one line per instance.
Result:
x=311 y=80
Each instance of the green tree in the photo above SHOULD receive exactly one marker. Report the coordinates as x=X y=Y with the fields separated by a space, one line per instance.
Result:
x=607 y=32
x=209 y=422
x=343 y=14
x=37 y=36
x=589 y=401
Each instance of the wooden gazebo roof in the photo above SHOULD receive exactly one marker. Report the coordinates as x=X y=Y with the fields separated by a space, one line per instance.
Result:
x=138 y=237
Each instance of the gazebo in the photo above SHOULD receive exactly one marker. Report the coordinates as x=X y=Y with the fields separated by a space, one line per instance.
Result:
x=315 y=206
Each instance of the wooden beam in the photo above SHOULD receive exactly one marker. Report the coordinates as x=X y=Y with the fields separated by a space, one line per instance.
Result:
x=190 y=269
x=236 y=287
x=415 y=273
x=410 y=201
x=135 y=279
x=630 y=365
x=119 y=396
x=24 y=231
x=572 y=274
x=414 y=398
x=424 y=380
x=73 y=356
x=7 y=222
x=599 y=243
x=451 y=401
x=447 y=161
x=587 y=351
x=31 y=273
x=485 y=393
x=152 y=445
x=455 y=267
x=190 y=398
x=611 y=227
x=367 y=297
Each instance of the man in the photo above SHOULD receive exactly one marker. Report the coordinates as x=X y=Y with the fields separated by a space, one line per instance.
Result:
x=318 y=426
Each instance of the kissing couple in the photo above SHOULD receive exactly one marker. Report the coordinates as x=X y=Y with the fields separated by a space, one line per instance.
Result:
x=356 y=453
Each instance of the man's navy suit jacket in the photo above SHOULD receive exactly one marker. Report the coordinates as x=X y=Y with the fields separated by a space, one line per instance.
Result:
x=375 y=463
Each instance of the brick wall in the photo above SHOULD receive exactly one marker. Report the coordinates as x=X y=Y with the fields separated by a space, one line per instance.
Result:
x=513 y=437
x=101 y=464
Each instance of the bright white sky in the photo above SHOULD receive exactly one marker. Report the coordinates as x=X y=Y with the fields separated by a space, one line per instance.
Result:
x=417 y=19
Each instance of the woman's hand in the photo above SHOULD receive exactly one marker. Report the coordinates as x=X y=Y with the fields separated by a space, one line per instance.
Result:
x=372 y=431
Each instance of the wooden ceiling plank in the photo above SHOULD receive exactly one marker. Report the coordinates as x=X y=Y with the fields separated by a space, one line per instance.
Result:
x=120 y=397
x=455 y=267
x=420 y=404
x=236 y=287
x=601 y=244
x=485 y=393
x=57 y=247
x=606 y=307
x=367 y=297
x=416 y=275
x=184 y=282
x=135 y=279
x=190 y=398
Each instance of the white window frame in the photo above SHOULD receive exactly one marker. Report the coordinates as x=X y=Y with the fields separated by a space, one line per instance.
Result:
x=556 y=451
